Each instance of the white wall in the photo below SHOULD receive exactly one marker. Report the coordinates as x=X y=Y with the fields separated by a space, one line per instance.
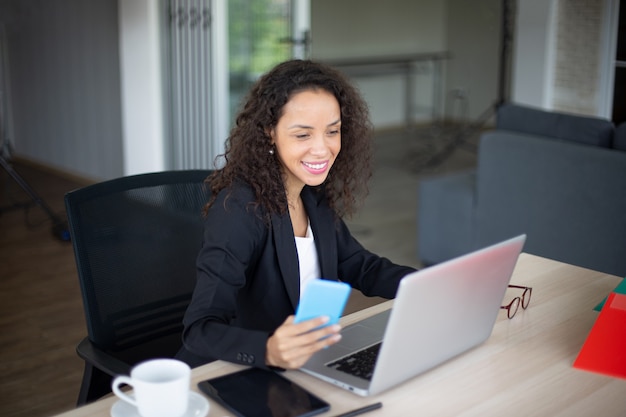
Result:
x=358 y=28
x=473 y=39
x=372 y=28
x=468 y=31
x=86 y=85
x=141 y=68
x=534 y=53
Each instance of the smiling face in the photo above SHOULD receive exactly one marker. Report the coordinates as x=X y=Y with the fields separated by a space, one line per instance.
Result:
x=307 y=138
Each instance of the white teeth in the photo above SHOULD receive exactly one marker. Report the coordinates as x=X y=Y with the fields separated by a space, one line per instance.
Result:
x=315 y=166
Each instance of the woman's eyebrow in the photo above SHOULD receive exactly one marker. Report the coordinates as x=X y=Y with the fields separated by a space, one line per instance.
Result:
x=297 y=126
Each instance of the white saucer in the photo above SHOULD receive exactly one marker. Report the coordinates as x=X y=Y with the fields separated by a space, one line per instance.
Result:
x=198 y=407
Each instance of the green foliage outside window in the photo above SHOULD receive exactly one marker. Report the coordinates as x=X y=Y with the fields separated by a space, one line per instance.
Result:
x=256 y=33
x=256 y=28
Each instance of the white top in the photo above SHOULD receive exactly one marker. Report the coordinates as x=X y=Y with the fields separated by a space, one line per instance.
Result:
x=307 y=258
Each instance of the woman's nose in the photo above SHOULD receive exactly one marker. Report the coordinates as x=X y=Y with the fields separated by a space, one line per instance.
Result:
x=319 y=145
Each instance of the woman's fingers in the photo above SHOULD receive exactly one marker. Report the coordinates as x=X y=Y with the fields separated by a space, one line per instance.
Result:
x=293 y=344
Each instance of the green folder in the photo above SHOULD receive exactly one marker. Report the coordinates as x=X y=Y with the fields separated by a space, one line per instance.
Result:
x=620 y=289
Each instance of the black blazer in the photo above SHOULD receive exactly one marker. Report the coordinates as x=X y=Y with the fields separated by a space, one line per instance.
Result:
x=249 y=281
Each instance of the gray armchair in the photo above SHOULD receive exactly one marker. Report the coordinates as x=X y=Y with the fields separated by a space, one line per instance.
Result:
x=559 y=178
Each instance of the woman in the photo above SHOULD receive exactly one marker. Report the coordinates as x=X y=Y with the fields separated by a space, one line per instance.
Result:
x=296 y=162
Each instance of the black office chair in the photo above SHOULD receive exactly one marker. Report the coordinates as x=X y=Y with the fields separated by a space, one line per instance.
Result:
x=135 y=242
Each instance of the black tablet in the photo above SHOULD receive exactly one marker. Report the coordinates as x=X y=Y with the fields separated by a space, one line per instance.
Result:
x=256 y=392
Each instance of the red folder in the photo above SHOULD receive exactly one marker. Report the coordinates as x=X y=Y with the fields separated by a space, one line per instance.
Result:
x=604 y=351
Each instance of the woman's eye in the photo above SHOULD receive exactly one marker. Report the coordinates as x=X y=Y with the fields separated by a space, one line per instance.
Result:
x=302 y=136
x=333 y=132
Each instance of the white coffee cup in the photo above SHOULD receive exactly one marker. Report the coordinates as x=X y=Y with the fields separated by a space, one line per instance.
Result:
x=161 y=387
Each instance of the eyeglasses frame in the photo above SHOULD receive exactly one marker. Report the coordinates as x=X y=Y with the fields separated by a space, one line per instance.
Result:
x=523 y=301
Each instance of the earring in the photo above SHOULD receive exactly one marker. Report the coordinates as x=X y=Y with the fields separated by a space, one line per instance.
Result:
x=271 y=151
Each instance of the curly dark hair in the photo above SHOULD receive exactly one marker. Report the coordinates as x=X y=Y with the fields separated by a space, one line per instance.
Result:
x=247 y=157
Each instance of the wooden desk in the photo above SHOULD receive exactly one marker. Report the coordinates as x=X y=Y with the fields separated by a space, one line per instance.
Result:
x=523 y=369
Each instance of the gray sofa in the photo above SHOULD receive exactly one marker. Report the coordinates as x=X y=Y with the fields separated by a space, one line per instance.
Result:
x=559 y=178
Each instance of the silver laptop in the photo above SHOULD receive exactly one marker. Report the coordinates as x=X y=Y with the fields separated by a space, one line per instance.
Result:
x=439 y=312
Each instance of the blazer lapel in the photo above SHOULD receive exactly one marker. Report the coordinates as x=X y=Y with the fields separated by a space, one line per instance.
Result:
x=322 y=225
x=287 y=254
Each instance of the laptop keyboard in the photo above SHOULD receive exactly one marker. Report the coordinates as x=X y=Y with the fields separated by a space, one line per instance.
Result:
x=360 y=364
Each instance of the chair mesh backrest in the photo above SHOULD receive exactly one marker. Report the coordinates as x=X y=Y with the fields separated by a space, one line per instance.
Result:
x=135 y=241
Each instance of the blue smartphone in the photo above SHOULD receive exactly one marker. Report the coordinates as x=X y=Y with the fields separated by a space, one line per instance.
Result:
x=322 y=297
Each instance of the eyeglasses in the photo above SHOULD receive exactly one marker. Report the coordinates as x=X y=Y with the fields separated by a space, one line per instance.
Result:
x=524 y=300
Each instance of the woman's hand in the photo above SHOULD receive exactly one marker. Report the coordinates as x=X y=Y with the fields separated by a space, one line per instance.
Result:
x=292 y=344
